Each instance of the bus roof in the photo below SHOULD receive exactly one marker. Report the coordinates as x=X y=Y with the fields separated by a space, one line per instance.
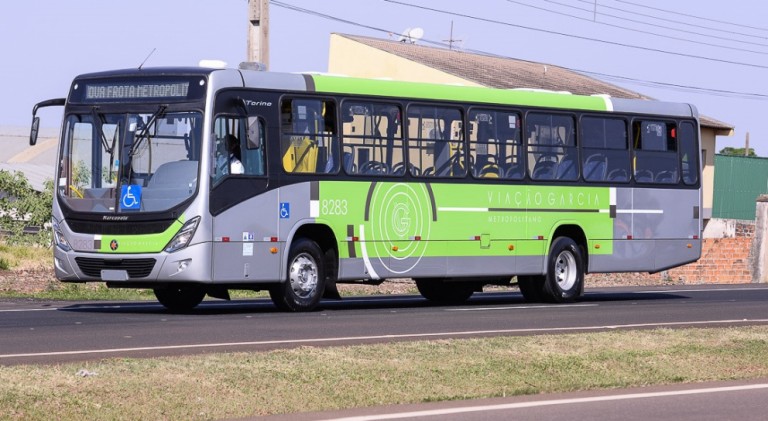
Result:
x=334 y=84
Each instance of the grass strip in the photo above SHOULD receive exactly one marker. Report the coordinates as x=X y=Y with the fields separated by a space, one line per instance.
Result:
x=232 y=385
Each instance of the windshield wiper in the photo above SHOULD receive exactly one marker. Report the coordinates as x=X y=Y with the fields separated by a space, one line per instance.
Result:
x=98 y=121
x=145 y=130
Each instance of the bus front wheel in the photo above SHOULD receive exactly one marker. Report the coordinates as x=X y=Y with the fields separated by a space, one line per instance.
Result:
x=180 y=298
x=564 y=282
x=306 y=278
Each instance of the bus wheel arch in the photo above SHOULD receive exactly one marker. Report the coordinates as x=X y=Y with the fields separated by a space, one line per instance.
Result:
x=575 y=233
x=311 y=269
x=305 y=278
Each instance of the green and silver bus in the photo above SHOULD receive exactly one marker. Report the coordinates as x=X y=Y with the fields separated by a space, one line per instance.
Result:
x=346 y=180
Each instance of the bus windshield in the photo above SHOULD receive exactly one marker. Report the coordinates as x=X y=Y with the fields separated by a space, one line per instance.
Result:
x=129 y=162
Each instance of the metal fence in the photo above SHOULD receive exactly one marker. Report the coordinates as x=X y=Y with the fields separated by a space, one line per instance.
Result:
x=739 y=180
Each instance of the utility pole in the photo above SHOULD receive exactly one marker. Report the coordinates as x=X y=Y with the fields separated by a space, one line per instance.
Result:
x=258 y=31
x=746 y=145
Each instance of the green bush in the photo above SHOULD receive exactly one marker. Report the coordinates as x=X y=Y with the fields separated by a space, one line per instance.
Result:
x=22 y=207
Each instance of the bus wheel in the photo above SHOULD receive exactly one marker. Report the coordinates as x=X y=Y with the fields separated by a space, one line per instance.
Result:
x=532 y=287
x=306 y=278
x=180 y=298
x=564 y=281
x=440 y=291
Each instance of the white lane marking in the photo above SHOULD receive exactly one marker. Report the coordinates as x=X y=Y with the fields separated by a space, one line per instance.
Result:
x=19 y=310
x=552 y=402
x=379 y=337
x=520 y=307
x=701 y=290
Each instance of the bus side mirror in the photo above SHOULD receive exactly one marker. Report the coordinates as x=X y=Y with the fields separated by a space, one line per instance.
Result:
x=36 y=120
x=255 y=133
x=33 y=132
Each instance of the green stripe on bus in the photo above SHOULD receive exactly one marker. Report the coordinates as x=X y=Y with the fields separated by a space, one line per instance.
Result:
x=144 y=243
x=411 y=90
x=411 y=220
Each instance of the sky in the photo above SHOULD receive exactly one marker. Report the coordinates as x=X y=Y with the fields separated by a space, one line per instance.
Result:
x=709 y=53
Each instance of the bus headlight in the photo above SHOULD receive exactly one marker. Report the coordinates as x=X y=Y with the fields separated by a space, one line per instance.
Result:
x=59 y=239
x=184 y=236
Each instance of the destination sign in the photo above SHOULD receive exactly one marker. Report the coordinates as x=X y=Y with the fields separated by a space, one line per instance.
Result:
x=144 y=89
x=123 y=91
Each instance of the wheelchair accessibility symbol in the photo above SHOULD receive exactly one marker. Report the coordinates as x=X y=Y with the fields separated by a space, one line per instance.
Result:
x=285 y=210
x=130 y=197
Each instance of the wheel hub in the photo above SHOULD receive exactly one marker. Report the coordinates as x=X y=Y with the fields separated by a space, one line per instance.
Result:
x=565 y=270
x=303 y=276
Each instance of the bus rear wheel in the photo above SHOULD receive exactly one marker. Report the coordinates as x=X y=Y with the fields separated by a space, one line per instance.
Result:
x=564 y=282
x=443 y=292
x=306 y=278
x=180 y=298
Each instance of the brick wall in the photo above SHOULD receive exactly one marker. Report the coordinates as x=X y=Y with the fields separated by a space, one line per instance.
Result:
x=723 y=261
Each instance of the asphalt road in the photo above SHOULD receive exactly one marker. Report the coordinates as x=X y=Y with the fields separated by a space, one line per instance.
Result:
x=56 y=332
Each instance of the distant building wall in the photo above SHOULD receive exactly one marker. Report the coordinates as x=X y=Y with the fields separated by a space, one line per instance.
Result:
x=739 y=180
x=350 y=58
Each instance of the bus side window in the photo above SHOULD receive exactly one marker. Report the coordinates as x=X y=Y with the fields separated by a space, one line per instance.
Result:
x=238 y=139
x=436 y=141
x=605 y=149
x=494 y=144
x=552 y=152
x=655 y=147
x=689 y=152
x=372 y=139
x=309 y=143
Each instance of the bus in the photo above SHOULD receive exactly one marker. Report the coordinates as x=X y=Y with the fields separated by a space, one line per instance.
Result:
x=196 y=181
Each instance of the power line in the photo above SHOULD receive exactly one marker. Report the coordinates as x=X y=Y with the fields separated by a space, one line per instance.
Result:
x=640 y=30
x=741 y=25
x=656 y=25
x=676 y=21
x=637 y=47
x=664 y=85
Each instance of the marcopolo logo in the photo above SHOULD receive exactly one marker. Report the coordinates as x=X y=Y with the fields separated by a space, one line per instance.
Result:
x=113 y=245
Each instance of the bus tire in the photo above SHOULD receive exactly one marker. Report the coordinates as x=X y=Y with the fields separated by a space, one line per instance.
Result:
x=180 y=299
x=304 y=287
x=532 y=287
x=564 y=281
x=443 y=292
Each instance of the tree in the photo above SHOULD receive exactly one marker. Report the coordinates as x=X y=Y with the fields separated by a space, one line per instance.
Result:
x=22 y=207
x=736 y=151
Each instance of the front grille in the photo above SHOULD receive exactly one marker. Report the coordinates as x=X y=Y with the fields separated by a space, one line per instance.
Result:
x=136 y=268
x=119 y=228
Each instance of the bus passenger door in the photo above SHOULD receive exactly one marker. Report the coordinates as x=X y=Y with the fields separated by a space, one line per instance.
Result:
x=244 y=209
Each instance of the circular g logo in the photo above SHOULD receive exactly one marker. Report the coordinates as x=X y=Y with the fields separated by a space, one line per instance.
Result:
x=399 y=222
